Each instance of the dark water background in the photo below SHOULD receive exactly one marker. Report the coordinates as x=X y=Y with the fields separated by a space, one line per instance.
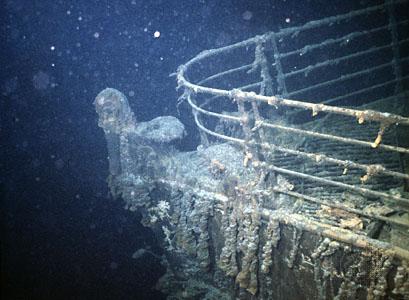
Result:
x=62 y=237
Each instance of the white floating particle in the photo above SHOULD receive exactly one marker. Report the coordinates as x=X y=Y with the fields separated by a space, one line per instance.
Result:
x=96 y=35
x=79 y=18
x=287 y=20
x=156 y=34
x=52 y=48
x=247 y=15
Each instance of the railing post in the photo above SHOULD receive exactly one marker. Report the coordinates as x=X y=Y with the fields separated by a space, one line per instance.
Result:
x=204 y=141
x=281 y=86
x=390 y=4
x=250 y=149
x=266 y=88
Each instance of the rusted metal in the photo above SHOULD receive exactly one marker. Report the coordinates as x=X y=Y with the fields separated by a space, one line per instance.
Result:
x=339 y=234
x=275 y=90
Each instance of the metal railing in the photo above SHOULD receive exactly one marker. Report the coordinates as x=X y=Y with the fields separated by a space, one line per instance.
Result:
x=286 y=73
